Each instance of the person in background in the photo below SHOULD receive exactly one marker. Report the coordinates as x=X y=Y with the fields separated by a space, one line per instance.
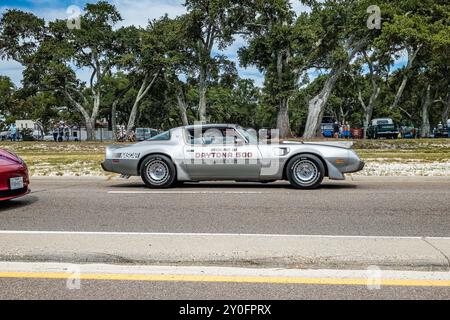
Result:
x=341 y=131
x=347 y=131
x=402 y=132
x=66 y=132
x=61 y=131
x=448 y=127
x=55 y=132
x=336 y=130
x=13 y=132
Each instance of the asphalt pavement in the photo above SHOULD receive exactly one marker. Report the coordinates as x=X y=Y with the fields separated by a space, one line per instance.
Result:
x=36 y=289
x=358 y=224
x=364 y=207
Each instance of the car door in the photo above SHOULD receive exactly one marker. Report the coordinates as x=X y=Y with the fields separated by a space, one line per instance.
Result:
x=229 y=157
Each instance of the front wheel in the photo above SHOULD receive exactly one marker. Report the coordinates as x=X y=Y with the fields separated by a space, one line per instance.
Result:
x=305 y=172
x=158 y=172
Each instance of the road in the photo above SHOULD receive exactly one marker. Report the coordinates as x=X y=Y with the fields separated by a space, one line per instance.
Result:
x=394 y=215
x=56 y=289
x=372 y=207
x=46 y=281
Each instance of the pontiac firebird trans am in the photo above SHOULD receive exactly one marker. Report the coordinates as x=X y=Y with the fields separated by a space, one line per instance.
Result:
x=229 y=152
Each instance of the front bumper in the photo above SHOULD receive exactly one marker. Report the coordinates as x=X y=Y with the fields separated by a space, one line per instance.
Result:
x=360 y=167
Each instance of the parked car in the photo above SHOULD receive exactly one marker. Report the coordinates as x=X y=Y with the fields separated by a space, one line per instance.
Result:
x=383 y=128
x=327 y=127
x=14 y=179
x=5 y=135
x=143 y=134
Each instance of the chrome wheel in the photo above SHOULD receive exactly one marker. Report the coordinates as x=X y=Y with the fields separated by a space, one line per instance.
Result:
x=158 y=172
x=306 y=172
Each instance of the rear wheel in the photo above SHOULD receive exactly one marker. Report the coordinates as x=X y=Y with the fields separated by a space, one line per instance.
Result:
x=158 y=172
x=305 y=172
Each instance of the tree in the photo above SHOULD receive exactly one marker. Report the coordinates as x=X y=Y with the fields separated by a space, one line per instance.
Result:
x=7 y=89
x=51 y=54
x=341 y=37
x=207 y=24
x=273 y=48
x=377 y=65
x=144 y=60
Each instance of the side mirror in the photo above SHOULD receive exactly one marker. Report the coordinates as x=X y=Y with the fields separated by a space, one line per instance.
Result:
x=239 y=141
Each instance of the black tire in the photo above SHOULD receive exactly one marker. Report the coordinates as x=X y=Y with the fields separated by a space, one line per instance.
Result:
x=312 y=175
x=158 y=172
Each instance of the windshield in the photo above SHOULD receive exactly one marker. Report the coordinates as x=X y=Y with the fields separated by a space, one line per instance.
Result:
x=250 y=134
x=165 y=136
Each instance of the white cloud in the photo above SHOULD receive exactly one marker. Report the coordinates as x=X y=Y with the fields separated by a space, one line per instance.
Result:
x=133 y=13
x=140 y=12
x=13 y=70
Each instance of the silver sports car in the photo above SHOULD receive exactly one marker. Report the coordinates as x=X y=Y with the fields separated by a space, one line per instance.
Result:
x=229 y=152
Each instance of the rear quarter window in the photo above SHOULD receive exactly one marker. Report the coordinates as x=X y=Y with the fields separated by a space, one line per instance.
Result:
x=165 y=136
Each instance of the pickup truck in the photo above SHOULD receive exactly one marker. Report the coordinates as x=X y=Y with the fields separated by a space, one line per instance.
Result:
x=383 y=128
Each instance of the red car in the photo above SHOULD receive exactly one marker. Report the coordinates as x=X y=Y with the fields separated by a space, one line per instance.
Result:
x=14 y=180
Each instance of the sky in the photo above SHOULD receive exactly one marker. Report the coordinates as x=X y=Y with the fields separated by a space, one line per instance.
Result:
x=134 y=12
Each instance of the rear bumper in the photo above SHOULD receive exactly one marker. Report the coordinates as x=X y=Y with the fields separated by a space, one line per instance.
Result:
x=125 y=167
x=108 y=166
x=13 y=194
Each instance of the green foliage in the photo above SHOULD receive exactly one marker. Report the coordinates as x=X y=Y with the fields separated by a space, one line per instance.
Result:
x=281 y=43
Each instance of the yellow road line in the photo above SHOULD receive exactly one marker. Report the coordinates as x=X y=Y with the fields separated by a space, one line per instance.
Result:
x=227 y=279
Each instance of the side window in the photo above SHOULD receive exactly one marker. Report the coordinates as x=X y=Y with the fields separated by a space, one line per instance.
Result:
x=231 y=136
x=213 y=137
x=191 y=139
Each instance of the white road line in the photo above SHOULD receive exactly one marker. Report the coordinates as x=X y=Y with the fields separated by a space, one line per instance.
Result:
x=25 y=232
x=187 y=192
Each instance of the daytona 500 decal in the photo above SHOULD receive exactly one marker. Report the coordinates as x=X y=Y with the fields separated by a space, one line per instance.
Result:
x=223 y=155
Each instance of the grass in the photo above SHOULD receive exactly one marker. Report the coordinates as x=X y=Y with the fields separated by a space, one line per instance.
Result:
x=59 y=159
x=84 y=158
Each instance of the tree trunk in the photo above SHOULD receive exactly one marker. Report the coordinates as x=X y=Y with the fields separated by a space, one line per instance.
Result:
x=182 y=107
x=283 y=118
x=411 y=57
x=132 y=119
x=88 y=119
x=203 y=87
x=90 y=129
x=400 y=91
x=425 y=129
x=317 y=105
x=446 y=110
x=145 y=87
x=114 y=119
x=368 y=109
